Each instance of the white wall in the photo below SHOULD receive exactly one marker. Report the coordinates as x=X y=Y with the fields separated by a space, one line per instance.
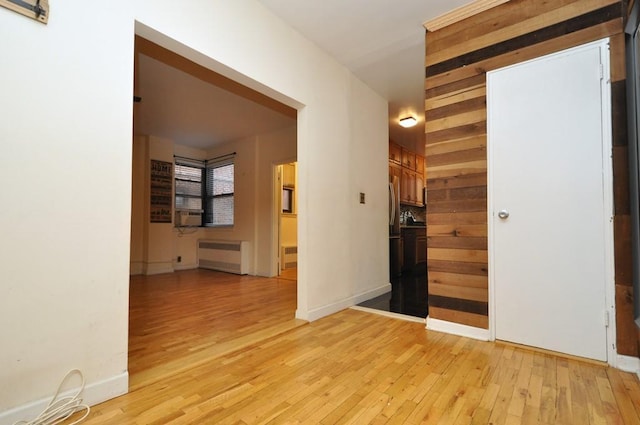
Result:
x=65 y=132
x=66 y=126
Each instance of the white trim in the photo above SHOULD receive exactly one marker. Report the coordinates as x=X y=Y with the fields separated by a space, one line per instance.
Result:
x=93 y=394
x=457 y=329
x=185 y=266
x=607 y=171
x=627 y=364
x=390 y=314
x=460 y=13
x=320 y=312
x=158 y=268
x=607 y=177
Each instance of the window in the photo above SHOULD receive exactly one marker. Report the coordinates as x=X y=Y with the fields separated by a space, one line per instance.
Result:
x=204 y=193
x=287 y=200
x=219 y=194
x=188 y=187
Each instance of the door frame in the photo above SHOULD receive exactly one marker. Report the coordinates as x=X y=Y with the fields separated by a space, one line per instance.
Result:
x=607 y=152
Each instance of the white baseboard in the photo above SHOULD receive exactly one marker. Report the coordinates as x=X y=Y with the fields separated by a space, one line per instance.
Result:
x=389 y=314
x=93 y=394
x=158 y=268
x=457 y=329
x=628 y=364
x=183 y=266
x=318 y=313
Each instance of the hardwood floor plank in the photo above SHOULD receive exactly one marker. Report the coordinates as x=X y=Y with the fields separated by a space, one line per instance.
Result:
x=349 y=368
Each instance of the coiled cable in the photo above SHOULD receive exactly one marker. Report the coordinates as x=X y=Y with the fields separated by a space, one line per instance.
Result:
x=60 y=409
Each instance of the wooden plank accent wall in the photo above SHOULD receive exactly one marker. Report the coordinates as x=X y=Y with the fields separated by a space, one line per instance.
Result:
x=457 y=59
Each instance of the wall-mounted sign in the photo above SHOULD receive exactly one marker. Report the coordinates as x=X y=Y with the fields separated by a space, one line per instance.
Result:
x=35 y=9
x=161 y=185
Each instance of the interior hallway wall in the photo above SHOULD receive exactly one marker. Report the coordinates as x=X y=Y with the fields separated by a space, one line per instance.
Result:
x=67 y=123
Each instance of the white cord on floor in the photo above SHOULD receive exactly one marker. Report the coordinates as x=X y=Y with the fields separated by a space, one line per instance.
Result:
x=61 y=409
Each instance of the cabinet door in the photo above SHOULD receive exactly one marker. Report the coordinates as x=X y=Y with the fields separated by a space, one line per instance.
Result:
x=408 y=186
x=395 y=170
x=408 y=159
x=419 y=189
x=395 y=153
x=419 y=164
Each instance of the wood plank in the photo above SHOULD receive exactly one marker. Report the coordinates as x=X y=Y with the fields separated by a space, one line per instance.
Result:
x=476 y=154
x=446 y=99
x=465 y=105
x=455 y=230
x=619 y=113
x=456 y=87
x=465 y=205
x=457 y=279
x=457 y=242
x=433 y=149
x=621 y=198
x=465 y=193
x=469 y=319
x=550 y=32
x=574 y=39
x=457 y=267
x=618 y=55
x=456 y=170
x=538 y=18
x=458 y=120
x=460 y=132
x=459 y=298
x=466 y=181
x=457 y=218
x=622 y=250
x=464 y=255
x=625 y=325
x=461 y=13
x=497 y=18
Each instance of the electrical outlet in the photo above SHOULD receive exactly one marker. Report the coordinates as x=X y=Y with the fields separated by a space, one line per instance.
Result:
x=361 y=198
x=179 y=259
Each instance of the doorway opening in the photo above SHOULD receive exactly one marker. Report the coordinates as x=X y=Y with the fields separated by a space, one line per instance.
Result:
x=188 y=111
x=286 y=202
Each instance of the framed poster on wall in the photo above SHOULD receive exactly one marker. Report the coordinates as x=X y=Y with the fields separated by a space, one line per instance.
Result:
x=161 y=185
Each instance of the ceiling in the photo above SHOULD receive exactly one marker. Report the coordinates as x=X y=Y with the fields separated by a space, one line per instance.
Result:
x=380 y=41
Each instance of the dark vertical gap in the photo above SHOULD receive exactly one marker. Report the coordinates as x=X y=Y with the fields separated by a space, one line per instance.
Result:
x=633 y=111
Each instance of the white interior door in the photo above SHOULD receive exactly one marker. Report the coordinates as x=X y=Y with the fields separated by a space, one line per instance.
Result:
x=547 y=172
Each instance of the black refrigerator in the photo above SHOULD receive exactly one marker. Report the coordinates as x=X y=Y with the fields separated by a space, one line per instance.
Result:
x=395 y=241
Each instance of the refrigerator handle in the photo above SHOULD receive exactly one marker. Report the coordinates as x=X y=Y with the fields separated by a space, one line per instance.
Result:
x=392 y=221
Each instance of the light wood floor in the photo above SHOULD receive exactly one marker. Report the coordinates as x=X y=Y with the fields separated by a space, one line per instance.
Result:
x=349 y=368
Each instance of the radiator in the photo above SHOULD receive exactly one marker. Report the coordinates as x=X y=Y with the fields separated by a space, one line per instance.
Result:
x=289 y=257
x=226 y=256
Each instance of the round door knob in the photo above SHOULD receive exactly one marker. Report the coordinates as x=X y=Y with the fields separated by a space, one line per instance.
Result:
x=503 y=214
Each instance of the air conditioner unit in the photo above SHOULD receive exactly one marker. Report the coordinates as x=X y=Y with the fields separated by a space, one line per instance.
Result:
x=188 y=218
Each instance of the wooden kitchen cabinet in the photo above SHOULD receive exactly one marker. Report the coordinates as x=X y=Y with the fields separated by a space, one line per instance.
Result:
x=419 y=164
x=395 y=153
x=408 y=186
x=410 y=170
x=395 y=170
x=408 y=159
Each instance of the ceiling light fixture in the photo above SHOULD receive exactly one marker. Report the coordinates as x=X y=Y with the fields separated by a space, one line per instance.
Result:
x=408 y=122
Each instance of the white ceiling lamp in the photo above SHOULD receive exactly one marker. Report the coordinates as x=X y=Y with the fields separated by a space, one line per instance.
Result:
x=407 y=122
